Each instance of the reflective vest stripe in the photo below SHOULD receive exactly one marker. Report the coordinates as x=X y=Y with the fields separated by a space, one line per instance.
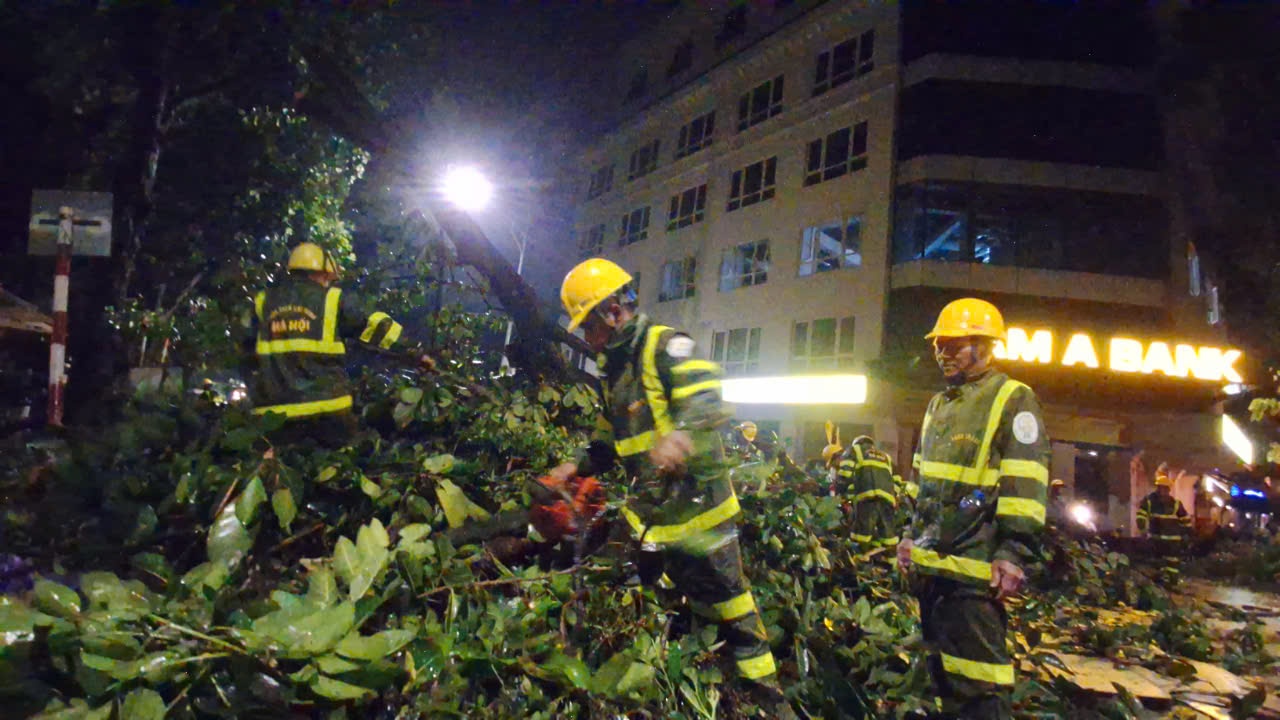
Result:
x=689 y=366
x=875 y=464
x=1020 y=507
x=328 y=344
x=954 y=564
x=389 y=337
x=258 y=301
x=635 y=444
x=681 y=393
x=881 y=494
x=993 y=673
x=304 y=409
x=669 y=534
x=735 y=608
x=977 y=474
x=757 y=667
x=655 y=396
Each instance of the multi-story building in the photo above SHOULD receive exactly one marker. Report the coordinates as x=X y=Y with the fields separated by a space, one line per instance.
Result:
x=803 y=185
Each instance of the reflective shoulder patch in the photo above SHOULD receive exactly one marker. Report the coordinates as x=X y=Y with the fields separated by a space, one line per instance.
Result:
x=680 y=347
x=1025 y=427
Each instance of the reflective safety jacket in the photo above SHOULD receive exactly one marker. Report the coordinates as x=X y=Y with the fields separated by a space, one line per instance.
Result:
x=983 y=472
x=653 y=386
x=299 y=328
x=1162 y=517
x=867 y=476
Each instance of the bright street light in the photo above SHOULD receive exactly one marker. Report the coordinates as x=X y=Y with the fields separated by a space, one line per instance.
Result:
x=467 y=188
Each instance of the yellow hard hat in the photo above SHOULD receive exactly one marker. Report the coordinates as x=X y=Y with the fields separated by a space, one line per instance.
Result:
x=831 y=451
x=968 y=317
x=587 y=284
x=310 y=256
x=1162 y=479
x=748 y=430
x=863 y=439
x=1057 y=482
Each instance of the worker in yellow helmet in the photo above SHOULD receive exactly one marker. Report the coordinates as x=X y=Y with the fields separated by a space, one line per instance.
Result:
x=299 y=331
x=1161 y=516
x=663 y=414
x=867 y=473
x=983 y=472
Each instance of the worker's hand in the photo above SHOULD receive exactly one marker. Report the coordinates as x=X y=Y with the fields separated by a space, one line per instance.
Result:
x=563 y=472
x=904 y=553
x=426 y=362
x=1006 y=578
x=671 y=450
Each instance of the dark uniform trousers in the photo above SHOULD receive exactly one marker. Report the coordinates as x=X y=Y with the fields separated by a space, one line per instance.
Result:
x=966 y=628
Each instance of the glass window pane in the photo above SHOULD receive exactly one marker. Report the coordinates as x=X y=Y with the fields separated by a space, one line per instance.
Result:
x=820 y=74
x=846 y=335
x=717 y=347
x=859 y=139
x=814 y=162
x=838 y=147
x=753 y=344
x=823 y=340
x=737 y=345
x=800 y=340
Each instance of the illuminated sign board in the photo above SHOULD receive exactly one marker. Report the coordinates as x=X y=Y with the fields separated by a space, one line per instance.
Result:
x=1121 y=354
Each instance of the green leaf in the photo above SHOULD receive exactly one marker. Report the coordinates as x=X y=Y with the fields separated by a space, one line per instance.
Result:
x=286 y=510
x=338 y=690
x=458 y=508
x=144 y=525
x=78 y=710
x=307 y=635
x=334 y=665
x=414 y=533
x=326 y=475
x=322 y=589
x=106 y=591
x=56 y=599
x=346 y=560
x=438 y=464
x=411 y=395
x=374 y=647
x=370 y=488
x=249 y=501
x=17 y=621
x=229 y=540
x=571 y=669
x=143 y=704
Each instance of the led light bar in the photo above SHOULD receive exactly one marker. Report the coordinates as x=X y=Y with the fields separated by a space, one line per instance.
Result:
x=797 y=390
x=1235 y=439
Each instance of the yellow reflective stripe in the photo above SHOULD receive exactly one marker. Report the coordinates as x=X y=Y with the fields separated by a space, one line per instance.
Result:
x=874 y=494
x=887 y=542
x=1165 y=517
x=1167 y=537
x=955 y=564
x=689 y=366
x=861 y=538
x=1020 y=507
x=993 y=673
x=635 y=444
x=372 y=326
x=258 y=301
x=735 y=608
x=280 y=347
x=303 y=409
x=875 y=464
x=666 y=534
x=993 y=420
x=757 y=667
x=393 y=334
x=681 y=393
x=959 y=473
x=1025 y=468
x=332 y=301
x=657 y=397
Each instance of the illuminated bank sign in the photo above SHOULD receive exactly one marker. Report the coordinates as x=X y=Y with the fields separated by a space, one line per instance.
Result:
x=1121 y=354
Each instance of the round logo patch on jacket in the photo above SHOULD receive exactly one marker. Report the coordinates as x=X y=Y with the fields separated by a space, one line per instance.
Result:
x=1025 y=427
x=680 y=346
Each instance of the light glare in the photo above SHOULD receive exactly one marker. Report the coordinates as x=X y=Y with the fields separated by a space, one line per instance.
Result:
x=797 y=390
x=467 y=188
x=1082 y=514
x=1235 y=439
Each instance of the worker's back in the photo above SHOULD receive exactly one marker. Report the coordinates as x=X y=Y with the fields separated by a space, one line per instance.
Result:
x=301 y=356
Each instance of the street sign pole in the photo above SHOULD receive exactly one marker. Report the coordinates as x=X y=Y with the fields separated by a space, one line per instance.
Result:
x=61 y=289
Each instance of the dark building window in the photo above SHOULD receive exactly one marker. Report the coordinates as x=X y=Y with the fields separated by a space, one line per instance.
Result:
x=763 y=102
x=696 y=134
x=593 y=242
x=1110 y=33
x=737 y=350
x=1031 y=227
x=682 y=59
x=844 y=62
x=823 y=344
x=639 y=85
x=687 y=207
x=843 y=151
x=836 y=245
x=745 y=265
x=735 y=23
x=1028 y=122
x=752 y=184
x=634 y=226
x=601 y=181
x=678 y=279
x=644 y=160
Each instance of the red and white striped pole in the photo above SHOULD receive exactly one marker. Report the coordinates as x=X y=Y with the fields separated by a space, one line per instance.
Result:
x=58 y=343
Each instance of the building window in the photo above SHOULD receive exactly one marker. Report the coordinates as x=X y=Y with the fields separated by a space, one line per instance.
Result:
x=634 y=226
x=639 y=85
x=752 y=184
x=643 y=161
x=843 y=151
x=682 y=59
x=593 y=242
x=737 y=350
x=760 y=104
x=1215 y=310
x=687 y=207
x=635 y=284
x=735 y=23
x=744 y=265
x=696 y=135
x=601 y=181
x=1193 y=271
x=822 y=344
x=831 y=247
x=842 y=63
x=677 y=279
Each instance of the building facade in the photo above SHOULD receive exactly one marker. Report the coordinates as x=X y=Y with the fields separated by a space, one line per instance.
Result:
x=802 y=186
